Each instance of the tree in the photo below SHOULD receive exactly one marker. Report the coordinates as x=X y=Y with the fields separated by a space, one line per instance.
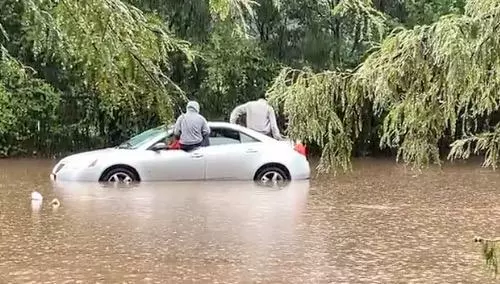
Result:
x=423 y=82
x=319 y=106
x=235 y=70
x=112 y=57
x=22 y=97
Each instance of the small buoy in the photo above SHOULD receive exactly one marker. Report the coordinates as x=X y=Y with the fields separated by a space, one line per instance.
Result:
x=35 y=195
x=55 y=203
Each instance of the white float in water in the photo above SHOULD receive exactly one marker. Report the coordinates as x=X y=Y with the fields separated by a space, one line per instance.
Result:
x=37 y=199
x=35 y=195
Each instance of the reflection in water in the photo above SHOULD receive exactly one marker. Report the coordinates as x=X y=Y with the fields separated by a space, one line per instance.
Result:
x=380 y=224
x=36 y=204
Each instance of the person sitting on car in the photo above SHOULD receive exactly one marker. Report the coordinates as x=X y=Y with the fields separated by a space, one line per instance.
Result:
x=260 y=117
x=191 y=127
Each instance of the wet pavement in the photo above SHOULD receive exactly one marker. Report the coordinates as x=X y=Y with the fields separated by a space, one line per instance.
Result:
x=380 y=224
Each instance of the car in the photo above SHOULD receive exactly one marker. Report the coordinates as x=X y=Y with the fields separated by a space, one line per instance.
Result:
x=234 y=153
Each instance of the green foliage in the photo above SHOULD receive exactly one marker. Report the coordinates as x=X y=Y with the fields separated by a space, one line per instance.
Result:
x=321 y=35
x=324 y=108
x=122 y=70
x=119 y=52
x=489 y=249
x=24 y=103
x=413 y=78
x=236 y=71
x=235 y=10
x=105 y=49
x=428 y=12
x=320 y=109
x=3 y=32
x=487 y=143
x=189 y=20
x=422 y=81
x=363 y=18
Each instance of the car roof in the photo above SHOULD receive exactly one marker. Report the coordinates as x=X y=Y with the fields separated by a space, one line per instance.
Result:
x=248 y=131
x=224 y=124
x=238 y=127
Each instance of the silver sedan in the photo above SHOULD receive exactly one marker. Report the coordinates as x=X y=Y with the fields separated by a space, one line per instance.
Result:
x=234 y=153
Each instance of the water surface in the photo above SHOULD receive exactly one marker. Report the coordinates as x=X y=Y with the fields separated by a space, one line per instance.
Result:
x=380 y=224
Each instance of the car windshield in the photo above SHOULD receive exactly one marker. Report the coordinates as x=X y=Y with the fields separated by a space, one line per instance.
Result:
x=144 y=137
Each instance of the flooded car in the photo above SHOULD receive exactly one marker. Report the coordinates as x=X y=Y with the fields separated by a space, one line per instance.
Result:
x=234 y=153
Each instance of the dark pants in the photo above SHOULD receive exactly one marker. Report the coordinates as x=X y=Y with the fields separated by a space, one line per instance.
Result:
x=188 y=148
x=204 y=143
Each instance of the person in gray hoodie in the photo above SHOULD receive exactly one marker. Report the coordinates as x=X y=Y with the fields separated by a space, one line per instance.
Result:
x=192 y=127
x=260 y=117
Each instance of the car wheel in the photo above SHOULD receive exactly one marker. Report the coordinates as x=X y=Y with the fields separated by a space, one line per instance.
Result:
x=120 y=175
x=271 y=174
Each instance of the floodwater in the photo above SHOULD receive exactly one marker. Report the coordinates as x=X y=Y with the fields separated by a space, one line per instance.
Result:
x=381 y=223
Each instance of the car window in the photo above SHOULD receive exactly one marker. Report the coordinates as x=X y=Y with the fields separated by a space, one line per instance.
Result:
x=143 y=138
x=221 y=136
x=247 y=139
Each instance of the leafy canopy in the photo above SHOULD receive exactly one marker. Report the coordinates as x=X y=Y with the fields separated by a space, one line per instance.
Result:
x=423 y=82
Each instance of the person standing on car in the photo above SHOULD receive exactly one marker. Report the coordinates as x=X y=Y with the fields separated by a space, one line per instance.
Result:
x=192 y=128
x=260 y=117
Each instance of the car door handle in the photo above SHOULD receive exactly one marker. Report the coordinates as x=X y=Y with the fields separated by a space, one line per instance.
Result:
x=196 y=155
x=251 y=151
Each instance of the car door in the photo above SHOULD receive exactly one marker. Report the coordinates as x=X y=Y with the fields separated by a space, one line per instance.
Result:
x=231 y=155
x=171 y=165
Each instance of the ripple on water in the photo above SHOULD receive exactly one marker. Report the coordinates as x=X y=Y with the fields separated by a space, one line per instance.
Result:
x=379 y=224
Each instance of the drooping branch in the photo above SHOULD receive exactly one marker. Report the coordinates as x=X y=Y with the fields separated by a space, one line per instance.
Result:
x=119 y=51
x=418 y=77
x=3 y=32
x=320 y=109
x=236 y=10
x=422 y=82
x=370 y=22
x=487 y=143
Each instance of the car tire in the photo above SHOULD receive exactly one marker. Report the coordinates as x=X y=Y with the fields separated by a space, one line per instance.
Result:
x=120 y=175
x=270 y=174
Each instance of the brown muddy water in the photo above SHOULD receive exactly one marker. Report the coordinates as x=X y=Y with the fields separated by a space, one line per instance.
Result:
x=380 y=224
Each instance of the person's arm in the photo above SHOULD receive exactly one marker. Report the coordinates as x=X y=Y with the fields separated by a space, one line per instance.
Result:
x=205 y=132
x=177 y=127
x=237 y=112
x=274 y=125
x=205 y=129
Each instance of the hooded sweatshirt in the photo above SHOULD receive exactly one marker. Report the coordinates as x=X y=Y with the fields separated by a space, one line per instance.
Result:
x=191 y=126
x=260 y=117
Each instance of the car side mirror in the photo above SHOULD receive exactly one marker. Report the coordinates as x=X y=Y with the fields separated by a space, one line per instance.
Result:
x=159 y=146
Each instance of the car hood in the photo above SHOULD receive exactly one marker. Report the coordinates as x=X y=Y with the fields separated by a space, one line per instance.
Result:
x=89 y=155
